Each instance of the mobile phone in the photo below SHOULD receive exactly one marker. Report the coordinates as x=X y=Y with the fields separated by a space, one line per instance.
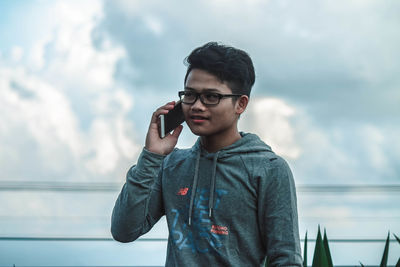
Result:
x=171 y=120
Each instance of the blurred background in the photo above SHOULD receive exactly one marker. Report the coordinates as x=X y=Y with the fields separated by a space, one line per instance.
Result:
x=79 y=81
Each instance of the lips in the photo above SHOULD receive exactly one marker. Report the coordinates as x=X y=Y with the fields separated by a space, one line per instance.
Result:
x=198 y=118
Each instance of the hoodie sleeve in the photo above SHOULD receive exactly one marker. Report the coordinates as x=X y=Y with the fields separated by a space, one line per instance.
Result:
x=139 y=205
x=278 y=214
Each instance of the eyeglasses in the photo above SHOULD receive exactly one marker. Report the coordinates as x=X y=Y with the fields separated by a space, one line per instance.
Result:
x=208 y=98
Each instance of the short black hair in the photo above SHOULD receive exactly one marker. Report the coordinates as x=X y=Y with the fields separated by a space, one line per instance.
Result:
x=231 y=65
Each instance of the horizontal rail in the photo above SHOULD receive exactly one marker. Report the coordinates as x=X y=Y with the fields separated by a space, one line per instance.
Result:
x=59 y=186
x=116 y=187
x=105 y=266
x=348 y=188
x=17 y=238
x=148 y=266
x=80 y=218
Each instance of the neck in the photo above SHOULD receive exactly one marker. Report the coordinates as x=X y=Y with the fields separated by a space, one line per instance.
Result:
x=215 y=143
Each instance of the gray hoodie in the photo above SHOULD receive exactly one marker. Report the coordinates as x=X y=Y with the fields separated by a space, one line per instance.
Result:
x=234 y=207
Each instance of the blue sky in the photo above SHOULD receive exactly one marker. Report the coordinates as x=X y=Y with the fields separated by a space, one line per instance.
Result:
x=80 y=79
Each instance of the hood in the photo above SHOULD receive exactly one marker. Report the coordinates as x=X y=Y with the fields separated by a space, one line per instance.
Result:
x=249 y=143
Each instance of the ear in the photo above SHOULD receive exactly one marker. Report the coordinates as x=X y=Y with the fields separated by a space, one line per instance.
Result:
x=241 y=104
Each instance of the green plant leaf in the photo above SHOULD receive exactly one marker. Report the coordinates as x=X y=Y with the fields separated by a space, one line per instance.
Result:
x=327 y=251
x=362 y=265
x=385 y=252
x=305 y=252
x=319 y=259
x=397 y=238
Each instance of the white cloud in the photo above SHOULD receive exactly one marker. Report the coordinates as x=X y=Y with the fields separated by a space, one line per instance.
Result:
x=373 y=143
x=74 y=60
x=106 y=153
x=270 y=119
x=17 y=53
x=63 y=74
x=346 y=153
x=154 y=24
x=358 y=152
x=34 y=111
x=132 y=7
x=36 y=58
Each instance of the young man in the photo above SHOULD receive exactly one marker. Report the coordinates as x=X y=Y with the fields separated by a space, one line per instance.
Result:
x=229 y=200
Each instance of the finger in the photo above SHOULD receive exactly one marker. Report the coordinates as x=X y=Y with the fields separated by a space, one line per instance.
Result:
x=177 y=131
x=164 y=109
x=157 y=113
x=161 y=110
x=168 y=105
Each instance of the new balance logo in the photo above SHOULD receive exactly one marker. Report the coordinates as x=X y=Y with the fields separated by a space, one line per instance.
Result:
x=182 y=191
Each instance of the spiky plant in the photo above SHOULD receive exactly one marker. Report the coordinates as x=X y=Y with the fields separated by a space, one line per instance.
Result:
x=327 y=251
x=320 y=259
x=305 y=252
x=385 y=252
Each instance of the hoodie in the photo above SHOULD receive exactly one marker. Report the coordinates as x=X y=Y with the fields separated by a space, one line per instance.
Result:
x=234 y=207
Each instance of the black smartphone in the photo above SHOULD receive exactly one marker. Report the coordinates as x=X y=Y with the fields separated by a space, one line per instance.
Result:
x=171 y=120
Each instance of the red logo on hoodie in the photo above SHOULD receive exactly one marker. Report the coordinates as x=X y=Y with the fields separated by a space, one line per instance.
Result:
x=219 y=230
x=182 y=191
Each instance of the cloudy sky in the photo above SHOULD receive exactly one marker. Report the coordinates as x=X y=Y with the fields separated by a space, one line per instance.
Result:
x=80 y=79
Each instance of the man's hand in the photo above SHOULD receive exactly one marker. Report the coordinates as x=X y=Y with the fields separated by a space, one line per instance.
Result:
x=154 y=143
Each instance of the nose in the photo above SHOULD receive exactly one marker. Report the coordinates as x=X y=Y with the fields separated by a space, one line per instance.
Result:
x=198 y=105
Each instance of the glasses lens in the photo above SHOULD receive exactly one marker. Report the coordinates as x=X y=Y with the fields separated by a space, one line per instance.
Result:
x=210 y=98
x=189 y=97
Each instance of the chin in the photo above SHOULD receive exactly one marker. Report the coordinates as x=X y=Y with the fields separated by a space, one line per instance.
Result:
x=199 y=132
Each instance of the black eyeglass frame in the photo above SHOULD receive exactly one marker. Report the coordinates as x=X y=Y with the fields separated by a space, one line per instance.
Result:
x=200 y=95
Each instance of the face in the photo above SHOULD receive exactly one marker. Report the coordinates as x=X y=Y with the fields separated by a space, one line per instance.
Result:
x=219 y=120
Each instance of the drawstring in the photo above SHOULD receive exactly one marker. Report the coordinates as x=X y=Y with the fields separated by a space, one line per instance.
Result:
x=194 y=186
x=212 y=186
